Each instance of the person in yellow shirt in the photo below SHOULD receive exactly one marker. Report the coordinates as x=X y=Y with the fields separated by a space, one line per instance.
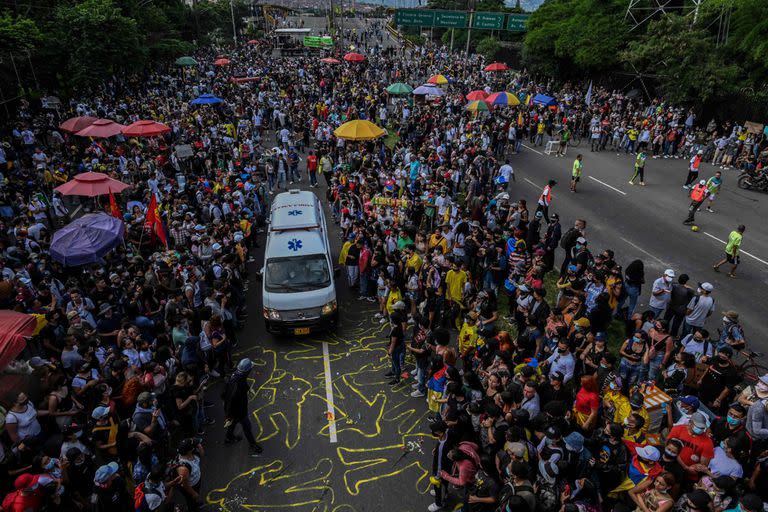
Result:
x=623 y=408
x=414 y=261
x=455 y=280
x=395 y=296
x=468 y=340
x=437 y=239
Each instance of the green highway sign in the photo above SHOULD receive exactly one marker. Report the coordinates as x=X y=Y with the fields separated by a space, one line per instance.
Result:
x=451 y=19
x=516 y=22
x=415 y=17
x=488 y=20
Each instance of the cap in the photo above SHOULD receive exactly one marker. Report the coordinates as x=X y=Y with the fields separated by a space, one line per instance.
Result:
x=145 y=396
x=37 y=362
x=731 y=315
x=636 y=401
x=186 y=445
x=113 y=276
x=216 y=246
x=669 y=272
x=582 y=322
x=100 y=412
x=517 y=449
x=539 y=215
x=648 y=453
x=523 y=288
x=574 y=442
x=554 y=217
x=24 y=481
x=105 y=472
x=581 y=240
x=601 y=336
x=700 y=152
x=691 y=401
x=104 y=308
x=699 y=420
x=558 y=376
x=763 y=378
x=707 y=287
x=72 y=314
x=244 y=365
x=703 y=182
x=398 y=305
x=573 y=268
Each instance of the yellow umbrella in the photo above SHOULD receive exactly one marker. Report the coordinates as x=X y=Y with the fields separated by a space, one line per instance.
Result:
x=359 y=129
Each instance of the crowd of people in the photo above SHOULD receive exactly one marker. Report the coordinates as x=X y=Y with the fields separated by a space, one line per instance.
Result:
x=535 y=408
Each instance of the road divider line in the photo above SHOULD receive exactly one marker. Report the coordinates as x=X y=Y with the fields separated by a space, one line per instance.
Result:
x=607 y=185
x=745 y=253
x=645 y=252
x=529 y=181
x=331 y=413
x=534 y=150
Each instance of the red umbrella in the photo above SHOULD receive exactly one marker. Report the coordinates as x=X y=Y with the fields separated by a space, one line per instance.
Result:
x=476 y=95
x=76 y=124
x=354 y=57
x=496 y=66
x=145 y=128
x=253 y=41
x=102 y=128
x=91 y=184
x=221 y=62
x=330 y=60
x=15 y=328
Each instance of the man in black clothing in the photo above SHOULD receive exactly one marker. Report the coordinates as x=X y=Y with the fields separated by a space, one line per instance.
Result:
x=236 y=406
x=551 y=240
x=612 y=458
x=568 y=241
x=716 y=385
x=679 y=298
x=553 y=390
x=446 y=441
x=732 y=426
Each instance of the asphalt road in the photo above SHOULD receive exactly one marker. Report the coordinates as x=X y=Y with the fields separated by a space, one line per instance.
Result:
x=380 y=456
x=646 y=223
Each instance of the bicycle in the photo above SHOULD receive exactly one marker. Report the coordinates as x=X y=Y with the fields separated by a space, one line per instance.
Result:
x=750 y=369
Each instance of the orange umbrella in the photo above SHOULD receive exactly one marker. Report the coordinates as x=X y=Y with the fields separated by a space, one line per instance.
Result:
x=496 y=66
x=102 y=129
x=76 y=124
x=145 y=128
x=476 y=95
x=354 y=57
x=91 y=184
x=221 y=62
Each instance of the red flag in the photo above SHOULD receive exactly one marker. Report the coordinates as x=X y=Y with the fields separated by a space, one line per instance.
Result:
x=113 y=208
x=153 y=221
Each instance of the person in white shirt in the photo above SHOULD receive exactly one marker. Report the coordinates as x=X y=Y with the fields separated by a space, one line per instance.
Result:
x=698 y=344
x=661 y=292
x=562 y=361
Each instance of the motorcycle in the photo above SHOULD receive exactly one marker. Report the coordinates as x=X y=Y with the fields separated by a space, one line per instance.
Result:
x=753 y=181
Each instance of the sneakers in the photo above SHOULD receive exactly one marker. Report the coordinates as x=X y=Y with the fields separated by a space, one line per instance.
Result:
x=383 y=321
x=642 y=183
x=686 y=187
x=377 y=316
x=434 y=507
x=417 y=394
x=415 y=372
x=710 y=210
x=291 y=183
x=415 y=385
x=432 y=491
x=370 y=299
x=631 y=182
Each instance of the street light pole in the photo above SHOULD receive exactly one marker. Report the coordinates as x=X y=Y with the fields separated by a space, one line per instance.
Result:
x=232 y=13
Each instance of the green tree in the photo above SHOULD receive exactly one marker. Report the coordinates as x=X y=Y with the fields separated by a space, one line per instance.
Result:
x=488 y=47
x=685 y=61
x=575 y=37
x=94 y=40
x=18 y=33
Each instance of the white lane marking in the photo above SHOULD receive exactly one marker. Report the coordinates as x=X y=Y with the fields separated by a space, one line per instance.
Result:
x=607 y=185
x=331 y=414
x=529 y=181
x=645 y=252
x=534 y=150
x=745 y=253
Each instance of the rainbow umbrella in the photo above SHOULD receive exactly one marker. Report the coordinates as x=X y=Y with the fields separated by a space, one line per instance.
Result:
x=438 y=80
x=478 y=106
x=503 y=98
x=476 y=95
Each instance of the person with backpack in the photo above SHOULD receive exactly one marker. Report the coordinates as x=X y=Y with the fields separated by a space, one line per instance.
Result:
x=186 y=472
x=518 y=485
x=568 y=242
x=28 y=496
x=153 y=492
x=235 y=398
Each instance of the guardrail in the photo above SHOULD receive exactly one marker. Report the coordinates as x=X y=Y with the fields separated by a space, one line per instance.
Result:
x=398 y=36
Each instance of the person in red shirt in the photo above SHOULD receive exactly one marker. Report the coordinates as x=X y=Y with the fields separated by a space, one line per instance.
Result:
x=587 y=404
x=312 y=168
x=698 y=448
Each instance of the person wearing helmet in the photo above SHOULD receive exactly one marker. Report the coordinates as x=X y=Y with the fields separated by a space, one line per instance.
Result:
x=236 y=406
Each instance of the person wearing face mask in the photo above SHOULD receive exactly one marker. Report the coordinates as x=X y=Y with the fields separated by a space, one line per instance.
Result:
x=632 y=353
x=612 y=459
x=21 y=420
x=80 y=475
x=661 y=293
x=697 y=445
x=643 y=466
x=718 y=381
x=669 y=463
x=699 y=308
x=731 y=332
x=732 y=426
x=754 y=392
x=446 y=441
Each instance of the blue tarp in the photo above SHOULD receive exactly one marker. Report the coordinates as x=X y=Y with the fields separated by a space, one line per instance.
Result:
x=543 y=99
x=206 y=99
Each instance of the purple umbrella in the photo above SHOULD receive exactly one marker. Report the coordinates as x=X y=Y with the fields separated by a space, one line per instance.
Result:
x=86 y=239
x=428 y=90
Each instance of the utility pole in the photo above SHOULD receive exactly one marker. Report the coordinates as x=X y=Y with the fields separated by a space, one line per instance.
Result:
x=234 y=27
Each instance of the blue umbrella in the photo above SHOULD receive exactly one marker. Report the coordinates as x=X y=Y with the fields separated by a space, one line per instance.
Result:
x=86 y=239
x=428 y=90
x=206 y=99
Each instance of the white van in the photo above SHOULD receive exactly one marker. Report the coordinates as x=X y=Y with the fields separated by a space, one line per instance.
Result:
x=299 y=293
